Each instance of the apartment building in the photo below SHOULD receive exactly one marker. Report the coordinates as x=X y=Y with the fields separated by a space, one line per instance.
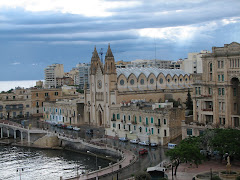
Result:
x=53 y=72
x=84 y=74
x=157 y=123
x=16 y=104
x=216 y=91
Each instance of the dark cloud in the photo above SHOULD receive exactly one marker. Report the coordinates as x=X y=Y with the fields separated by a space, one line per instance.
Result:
x=43 y=38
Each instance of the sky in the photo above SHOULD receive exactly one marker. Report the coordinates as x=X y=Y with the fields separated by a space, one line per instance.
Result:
x=38 y=33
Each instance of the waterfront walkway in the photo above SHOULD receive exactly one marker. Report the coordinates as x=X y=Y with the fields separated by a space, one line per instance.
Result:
x=186 y=171
x=128 y=159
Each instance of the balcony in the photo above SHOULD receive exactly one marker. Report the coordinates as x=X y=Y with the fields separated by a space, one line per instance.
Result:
x=157 y=125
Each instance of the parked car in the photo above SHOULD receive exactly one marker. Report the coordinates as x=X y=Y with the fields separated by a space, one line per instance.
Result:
x=76 y=128
x=59 y=125
x=143 y=151
x=134 y=141
x=89 y=131
x=64 y=126
x=124 y=139
x=69 y=127
x=153 y=144
x=144 y=143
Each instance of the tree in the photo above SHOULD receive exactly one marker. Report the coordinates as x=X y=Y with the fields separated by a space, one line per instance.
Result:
x=142 y=176
x=189 y=102
x=186 y=151
x=227 y=141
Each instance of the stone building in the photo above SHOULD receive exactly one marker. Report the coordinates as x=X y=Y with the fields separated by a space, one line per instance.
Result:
x=51 y=73
x=159 y=122
x=16 y=104
x=67 y=111
x=216 y=91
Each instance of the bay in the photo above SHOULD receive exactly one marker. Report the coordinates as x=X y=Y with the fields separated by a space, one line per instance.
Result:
x=39 y=164
x=7 y=85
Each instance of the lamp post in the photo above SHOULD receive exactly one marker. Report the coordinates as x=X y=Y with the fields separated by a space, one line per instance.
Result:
x=20 y=170
x=96 y=162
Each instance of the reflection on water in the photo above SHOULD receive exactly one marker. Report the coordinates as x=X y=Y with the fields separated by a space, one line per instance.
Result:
x=43 y=164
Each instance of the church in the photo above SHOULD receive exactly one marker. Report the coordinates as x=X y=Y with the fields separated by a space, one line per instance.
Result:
x=109 y=87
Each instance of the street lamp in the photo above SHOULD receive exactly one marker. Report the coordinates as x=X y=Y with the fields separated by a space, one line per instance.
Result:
x=20 y=170
x=96 y=162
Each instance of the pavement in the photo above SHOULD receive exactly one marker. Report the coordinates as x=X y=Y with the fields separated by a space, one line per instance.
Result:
x=186 y=171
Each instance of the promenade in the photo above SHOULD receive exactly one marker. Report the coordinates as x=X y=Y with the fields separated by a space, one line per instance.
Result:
x=127 y=160
x=186 y=171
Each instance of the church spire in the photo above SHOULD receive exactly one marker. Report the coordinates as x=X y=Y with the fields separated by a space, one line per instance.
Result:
x=109 y=51
x=109 y=67
x=95 y=62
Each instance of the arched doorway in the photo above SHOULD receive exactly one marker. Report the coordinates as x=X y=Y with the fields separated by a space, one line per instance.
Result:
x=100 y=118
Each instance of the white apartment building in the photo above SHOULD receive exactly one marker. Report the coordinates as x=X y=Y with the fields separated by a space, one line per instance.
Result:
x=51 y=73
x=84 y=74
x=193 y=64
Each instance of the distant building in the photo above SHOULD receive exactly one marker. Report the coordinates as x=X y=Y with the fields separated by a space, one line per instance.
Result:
x=53 y=72
x=16 y=104
x=84 y=74
x=177 y=65
x=74 y=75
x=64 y=81
x=122 y=64
x=193 y=64
x=162 y=64
x=67 y=111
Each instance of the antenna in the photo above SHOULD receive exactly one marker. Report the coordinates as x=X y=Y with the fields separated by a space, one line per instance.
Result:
x=155 y=50
x=101 y=53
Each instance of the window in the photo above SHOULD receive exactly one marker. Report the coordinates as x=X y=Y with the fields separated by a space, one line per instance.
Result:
x=199 y=90
x=124 y=118
x=121 y=82
x=142 y=81
x=196 y=90
x=161 y=80
x=158 y=131
x=181 y=80
x=13 y=97
x=56 y=93
x=189 y=132
x=118 y=116
x=56 y=109
x=114 y=125
x=140 y=119
x=140 y=129
x=124 y=126
x=131 y=81
x=146 y=121
x=223 y=91
x=151 y=81
x=168 y=80
x=134 y=127
x=210 y=67
x=164 y=121
x=209 y=90
x=46 y=94
x=146 y=130
x=165 y=132
x=129 y=117
x=152 y=120
x=219 y=91
x=219 y=64
x=219 y=78
x=222 y=77
x=222 y=64
x=37 y=94
x=186 y=79
x=234 y=92
x=119 y=126
x=175 y=80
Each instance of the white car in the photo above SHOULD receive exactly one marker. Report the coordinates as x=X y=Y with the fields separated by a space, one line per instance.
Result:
x=124 y=139
x=134 y=141
x=76 y=128
x=153 y=144
x=144 y=143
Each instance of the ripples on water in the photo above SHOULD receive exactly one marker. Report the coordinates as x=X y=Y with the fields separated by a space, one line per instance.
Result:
x=40 y=164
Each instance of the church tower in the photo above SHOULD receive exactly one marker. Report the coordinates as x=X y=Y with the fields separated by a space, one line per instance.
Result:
x=101 y=93
x=110 y=69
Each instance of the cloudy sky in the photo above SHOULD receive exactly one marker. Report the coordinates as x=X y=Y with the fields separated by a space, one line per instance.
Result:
x=37 y=33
